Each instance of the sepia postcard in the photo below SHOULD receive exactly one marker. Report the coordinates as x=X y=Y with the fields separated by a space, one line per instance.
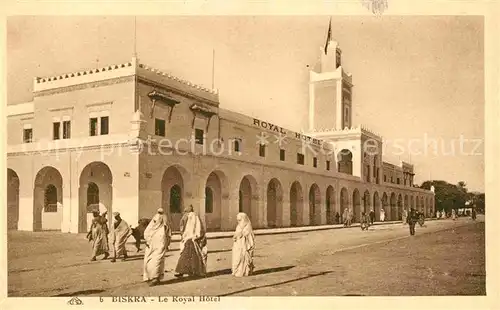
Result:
x=304 y=154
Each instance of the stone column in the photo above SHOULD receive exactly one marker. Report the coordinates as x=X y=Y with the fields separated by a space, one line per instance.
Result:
x=26 y=203
x=284 y=220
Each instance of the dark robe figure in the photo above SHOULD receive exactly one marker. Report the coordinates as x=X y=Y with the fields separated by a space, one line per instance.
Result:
x=412 y=220
x=372 y=217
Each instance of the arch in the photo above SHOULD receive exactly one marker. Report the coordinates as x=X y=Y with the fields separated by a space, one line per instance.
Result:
x=366 y=202
x=274 y=203
x=356 y=205
x=214 y=186
x=393 y=210
x=399 y=211
x=314 y=205
x=330 y=205
x=406 y=205
x=96 y=184
x=296 y=204
x=173 y=194
x=385 y=206
x=249 y=197
x=344 y=201
x=12 y=199
x=376 y=206
x=344 y=161
x=47 y=200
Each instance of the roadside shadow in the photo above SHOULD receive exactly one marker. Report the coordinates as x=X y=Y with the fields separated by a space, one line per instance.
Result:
x=220 y=251
x=222 y=272
x=278 y=283
x=78 y=293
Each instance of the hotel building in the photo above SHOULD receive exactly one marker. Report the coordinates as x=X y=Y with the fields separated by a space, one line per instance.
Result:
x=131 y=138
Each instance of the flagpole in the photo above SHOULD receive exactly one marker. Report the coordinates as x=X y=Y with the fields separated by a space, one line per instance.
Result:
x=135 y=36
x=213 y=68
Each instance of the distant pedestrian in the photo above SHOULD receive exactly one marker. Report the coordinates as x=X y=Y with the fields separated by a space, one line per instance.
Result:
x=382 y=215
x=453 y=214
x=157 y=236
x=350 y=216
x=372 y=216
x=405 y=215
x=412 y=220
x=98 y=235
x=119 y=237
x=364 y=221
x=337 y=218
x=473 y=214
x=345 y=217
x=243 y=247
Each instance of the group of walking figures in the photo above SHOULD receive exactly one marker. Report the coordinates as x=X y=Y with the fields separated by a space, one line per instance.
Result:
x=410 y=217
x=158 y=235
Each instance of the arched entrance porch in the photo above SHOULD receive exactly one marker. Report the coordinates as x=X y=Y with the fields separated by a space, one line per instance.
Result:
x=314 y=205
x=296 y=204
x=274 y=203
x=47 y=200
x=95 y=194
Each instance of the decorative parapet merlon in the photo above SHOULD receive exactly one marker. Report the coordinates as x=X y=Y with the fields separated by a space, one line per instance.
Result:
x=82 y=77
x=199 y=109
x=174 y=78
x=165 y=98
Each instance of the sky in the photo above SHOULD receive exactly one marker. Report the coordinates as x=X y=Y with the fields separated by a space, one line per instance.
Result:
x=418 y=80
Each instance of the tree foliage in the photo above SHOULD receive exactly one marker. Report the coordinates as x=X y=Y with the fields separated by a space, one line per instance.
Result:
x=453 y=196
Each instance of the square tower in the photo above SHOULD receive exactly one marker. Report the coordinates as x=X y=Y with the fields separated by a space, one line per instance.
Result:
x=330 y=92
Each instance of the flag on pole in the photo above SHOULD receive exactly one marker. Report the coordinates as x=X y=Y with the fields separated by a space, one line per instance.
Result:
x=329 y=36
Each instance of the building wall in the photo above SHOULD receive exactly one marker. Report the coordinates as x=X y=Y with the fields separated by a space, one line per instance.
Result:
x=77 y=104
x=136 y=179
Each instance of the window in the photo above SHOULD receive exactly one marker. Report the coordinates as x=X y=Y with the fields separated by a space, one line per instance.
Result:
x=282 y=155
x=93 y=126
x=92 y=197
x=397 y=181
x=28 y=135
x=315 y=162
x=300 y=159
x=50 y=199
x=237 y=145
x=66 y=129
x=368 y=176
x=159 y=127
x=328 y=165
x=392 y=179
x=56 y=129
x=385 y=178
x=209 y=200
x=175 y=199
x=198 y=136
x=262 y=150
x=104 y=125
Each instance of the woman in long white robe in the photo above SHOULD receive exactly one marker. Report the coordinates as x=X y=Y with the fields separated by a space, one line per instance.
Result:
x=243 y=247
x=382 y=215
x=157 y=236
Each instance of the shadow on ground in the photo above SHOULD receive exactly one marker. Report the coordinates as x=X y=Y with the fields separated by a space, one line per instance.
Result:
x=279 y=283
x=225 y=272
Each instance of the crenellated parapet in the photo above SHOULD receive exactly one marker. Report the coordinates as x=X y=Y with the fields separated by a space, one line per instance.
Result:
x=82 y=77
x=122 y=70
